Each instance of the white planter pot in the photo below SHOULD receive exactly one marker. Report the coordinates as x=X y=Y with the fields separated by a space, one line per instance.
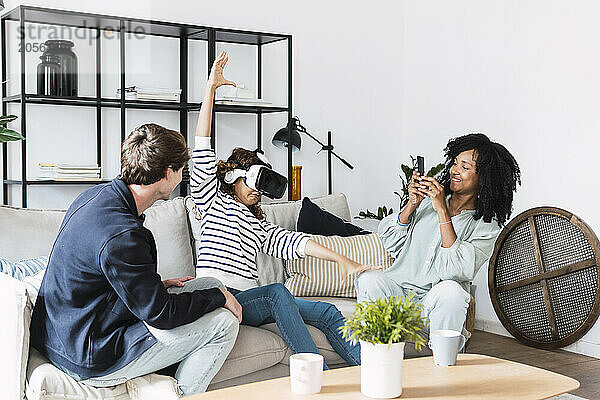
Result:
x=381 y=370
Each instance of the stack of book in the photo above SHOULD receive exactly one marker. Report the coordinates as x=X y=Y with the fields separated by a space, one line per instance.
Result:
x=243 y=101
x=69 y=172
x=150 y=93
x=47 y=171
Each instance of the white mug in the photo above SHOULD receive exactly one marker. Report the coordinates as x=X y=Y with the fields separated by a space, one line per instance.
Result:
x=306 y=373
x=445 y=345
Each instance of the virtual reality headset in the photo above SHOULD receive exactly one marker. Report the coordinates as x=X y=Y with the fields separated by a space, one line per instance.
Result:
x=260 y=177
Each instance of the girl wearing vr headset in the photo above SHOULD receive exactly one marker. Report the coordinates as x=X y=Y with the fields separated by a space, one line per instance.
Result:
x=234 y=230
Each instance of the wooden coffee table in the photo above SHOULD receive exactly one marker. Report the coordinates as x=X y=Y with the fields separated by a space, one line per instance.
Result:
x=473 y=377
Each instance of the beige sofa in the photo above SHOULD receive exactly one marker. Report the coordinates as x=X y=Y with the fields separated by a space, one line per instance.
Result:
x=259 y=353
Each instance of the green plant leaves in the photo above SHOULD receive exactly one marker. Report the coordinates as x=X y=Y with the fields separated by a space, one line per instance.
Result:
x=382 y=212
x=436 y=170
x=386 y=321
x=407 y=172
x=5 y=119
x=8 y=135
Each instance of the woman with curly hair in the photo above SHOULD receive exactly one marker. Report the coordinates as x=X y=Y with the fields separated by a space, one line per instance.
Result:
x=447 y=230
x=234 y=229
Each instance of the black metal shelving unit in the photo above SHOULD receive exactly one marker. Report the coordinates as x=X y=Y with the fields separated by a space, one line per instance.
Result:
x=124 y=25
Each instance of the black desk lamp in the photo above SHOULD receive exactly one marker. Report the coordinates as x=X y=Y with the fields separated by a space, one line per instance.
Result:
x=281 y=140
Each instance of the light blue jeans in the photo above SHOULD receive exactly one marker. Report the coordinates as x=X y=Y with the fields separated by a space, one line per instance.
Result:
x=445 y=304
x=274 y=303
x=199 y=347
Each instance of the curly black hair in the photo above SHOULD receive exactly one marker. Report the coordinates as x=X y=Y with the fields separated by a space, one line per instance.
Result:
x=498 y=174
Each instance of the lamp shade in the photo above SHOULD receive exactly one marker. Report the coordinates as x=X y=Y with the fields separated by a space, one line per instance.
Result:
x=280 y=139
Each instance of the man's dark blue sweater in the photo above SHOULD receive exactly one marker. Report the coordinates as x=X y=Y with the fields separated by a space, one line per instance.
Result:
x=101 y=284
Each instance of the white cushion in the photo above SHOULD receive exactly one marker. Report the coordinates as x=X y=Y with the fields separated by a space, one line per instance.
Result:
x=45 y=381
x=15 y=309
x=37 y=228
x=312 y=276
x=168 y=223
x=33 y=284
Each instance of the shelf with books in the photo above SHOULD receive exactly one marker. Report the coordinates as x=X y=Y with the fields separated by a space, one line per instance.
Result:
x=141 y=104
x=186 y=35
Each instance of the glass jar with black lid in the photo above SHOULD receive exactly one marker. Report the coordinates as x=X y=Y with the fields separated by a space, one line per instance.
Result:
x=67 y=61
x=48 y=75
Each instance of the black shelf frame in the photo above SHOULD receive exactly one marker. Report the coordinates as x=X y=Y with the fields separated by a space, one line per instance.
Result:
x=98 y=23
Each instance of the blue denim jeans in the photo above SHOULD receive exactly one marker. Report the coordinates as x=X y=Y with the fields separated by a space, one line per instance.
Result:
x=199 y=347
x=274 y=303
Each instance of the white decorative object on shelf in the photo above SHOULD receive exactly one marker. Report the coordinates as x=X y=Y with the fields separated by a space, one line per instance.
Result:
x=240 y=95
x=150 y=93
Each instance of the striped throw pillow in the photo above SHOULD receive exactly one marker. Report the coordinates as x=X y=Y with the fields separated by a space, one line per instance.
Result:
x=23 y=268
x=311 y=276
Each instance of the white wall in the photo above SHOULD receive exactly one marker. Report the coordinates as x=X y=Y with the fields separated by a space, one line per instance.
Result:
x=400 y=78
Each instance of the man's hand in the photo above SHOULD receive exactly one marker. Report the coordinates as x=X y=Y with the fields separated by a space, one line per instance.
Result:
x=179 y=282
x=216 y=78
x=232 y=305
x=352 y=267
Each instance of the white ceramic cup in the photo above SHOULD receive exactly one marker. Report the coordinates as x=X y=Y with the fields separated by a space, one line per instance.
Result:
x=306 y=373
x=445 y=345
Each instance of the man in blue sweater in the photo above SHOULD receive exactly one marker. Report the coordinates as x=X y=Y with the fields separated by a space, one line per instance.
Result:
x=103 y=315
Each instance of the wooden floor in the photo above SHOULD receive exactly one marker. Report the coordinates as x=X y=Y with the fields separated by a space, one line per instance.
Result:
x=583 y=368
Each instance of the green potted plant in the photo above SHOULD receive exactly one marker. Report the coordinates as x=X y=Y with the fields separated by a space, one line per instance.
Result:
x=8 y=135
x=382 y=327
x=383 y=211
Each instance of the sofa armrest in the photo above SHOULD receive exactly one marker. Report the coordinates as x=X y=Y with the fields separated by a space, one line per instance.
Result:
x=15 y=309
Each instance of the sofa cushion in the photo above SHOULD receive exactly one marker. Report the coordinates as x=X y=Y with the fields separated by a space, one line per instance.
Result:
x=317 y=221
x=20 y=225
x=168 y=222
x=45 y=381
x=311 y=276
x=15 y=309
x=33 y=284
x=345 y=305
x=330 y=355
x=23 y=268
x=255 y=349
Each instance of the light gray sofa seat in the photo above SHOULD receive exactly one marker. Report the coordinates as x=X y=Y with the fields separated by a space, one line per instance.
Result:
x=259 y=353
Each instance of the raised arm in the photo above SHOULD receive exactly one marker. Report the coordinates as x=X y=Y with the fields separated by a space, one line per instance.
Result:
x=215 y=80
x=203 y=179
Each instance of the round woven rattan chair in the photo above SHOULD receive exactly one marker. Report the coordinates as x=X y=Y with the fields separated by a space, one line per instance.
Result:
x=544 y=277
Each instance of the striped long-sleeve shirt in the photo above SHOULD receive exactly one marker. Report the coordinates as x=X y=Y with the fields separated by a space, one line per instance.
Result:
x=231 y=236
